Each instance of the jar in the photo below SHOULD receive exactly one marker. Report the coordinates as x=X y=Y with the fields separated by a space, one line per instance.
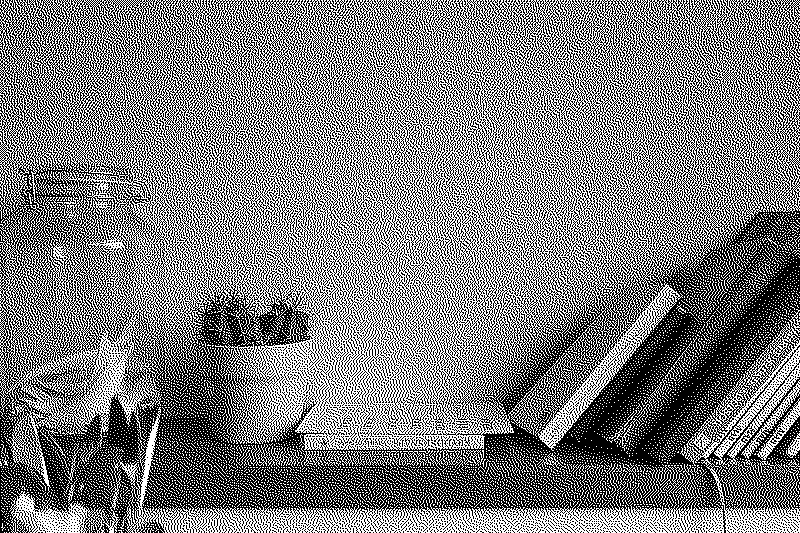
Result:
x=79 y=263
x=81 y=270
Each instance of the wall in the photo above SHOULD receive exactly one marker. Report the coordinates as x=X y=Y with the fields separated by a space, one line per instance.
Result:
x=455 y=188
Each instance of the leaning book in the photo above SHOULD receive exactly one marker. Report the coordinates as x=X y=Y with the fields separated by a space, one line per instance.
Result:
x=780 y=431
x=740 y=398
x=568 y=389
x=719 y=295
x=793 y=448
x=773 y=420
x=782 y=227
x=746 y=357
x=762 y=409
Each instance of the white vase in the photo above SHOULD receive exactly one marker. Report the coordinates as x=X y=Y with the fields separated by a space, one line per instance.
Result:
x=256 y=394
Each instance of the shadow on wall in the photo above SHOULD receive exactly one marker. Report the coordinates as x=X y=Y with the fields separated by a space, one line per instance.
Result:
x=544 y=352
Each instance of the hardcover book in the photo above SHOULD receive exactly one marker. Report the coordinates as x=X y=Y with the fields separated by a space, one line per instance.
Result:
x=734 y=360
x=723 y=443
x=394 y=458
x=725 y=287
x=562 y=395
x=624 y=387
x=783 y=427
x=782 y=449
x=761 y=436
x=793 y=449
x=738 y=400
x=402 y=426
x=783 y=227
x=766 y=409
x=317 y=441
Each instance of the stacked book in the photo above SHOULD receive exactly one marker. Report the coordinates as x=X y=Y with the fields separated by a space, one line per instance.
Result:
x=707 y=367
x=400 y=433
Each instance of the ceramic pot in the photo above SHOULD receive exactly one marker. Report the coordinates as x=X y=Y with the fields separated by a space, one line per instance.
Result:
x=256 y=394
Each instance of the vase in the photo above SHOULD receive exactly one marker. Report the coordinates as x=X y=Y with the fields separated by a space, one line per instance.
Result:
x=256 y=394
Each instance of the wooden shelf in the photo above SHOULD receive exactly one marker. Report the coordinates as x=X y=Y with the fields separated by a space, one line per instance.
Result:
x=191 y=471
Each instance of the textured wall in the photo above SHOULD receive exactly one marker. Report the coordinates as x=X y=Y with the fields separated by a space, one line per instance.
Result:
x=455 y=188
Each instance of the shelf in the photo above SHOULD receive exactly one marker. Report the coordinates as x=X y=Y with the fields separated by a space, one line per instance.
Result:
x=191 y=470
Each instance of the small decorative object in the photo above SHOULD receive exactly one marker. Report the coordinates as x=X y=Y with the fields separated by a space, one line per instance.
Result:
x=257 y=385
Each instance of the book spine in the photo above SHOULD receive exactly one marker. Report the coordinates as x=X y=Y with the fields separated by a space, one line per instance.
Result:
x=782 y=227
x=780 y=431
x=394 y=458
x=760 y=225
x=620 y=353
x=794 y=447
x=773 y=418
x=392 y=442
x=553 y=390
x=725 y=440
x=767 y=363
x=734 y=360
x=767 y=408
x=731 y=308
x=624 y=384
x=615 y=419
x=711 y=279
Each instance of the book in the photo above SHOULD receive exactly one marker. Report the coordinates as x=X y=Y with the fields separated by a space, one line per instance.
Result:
x=793 y=449
x=623 y=387
x=316 y=441
x=372 y=458
x=382 y=418
x=740 y=397
x=738 y=352
x=730 y=435
x=724 y=288
x=782 y=227
x=559 y=398
x=781 y=430
x=782 y=449
x=766 y=409
x=773 y=418
x=763 y=434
